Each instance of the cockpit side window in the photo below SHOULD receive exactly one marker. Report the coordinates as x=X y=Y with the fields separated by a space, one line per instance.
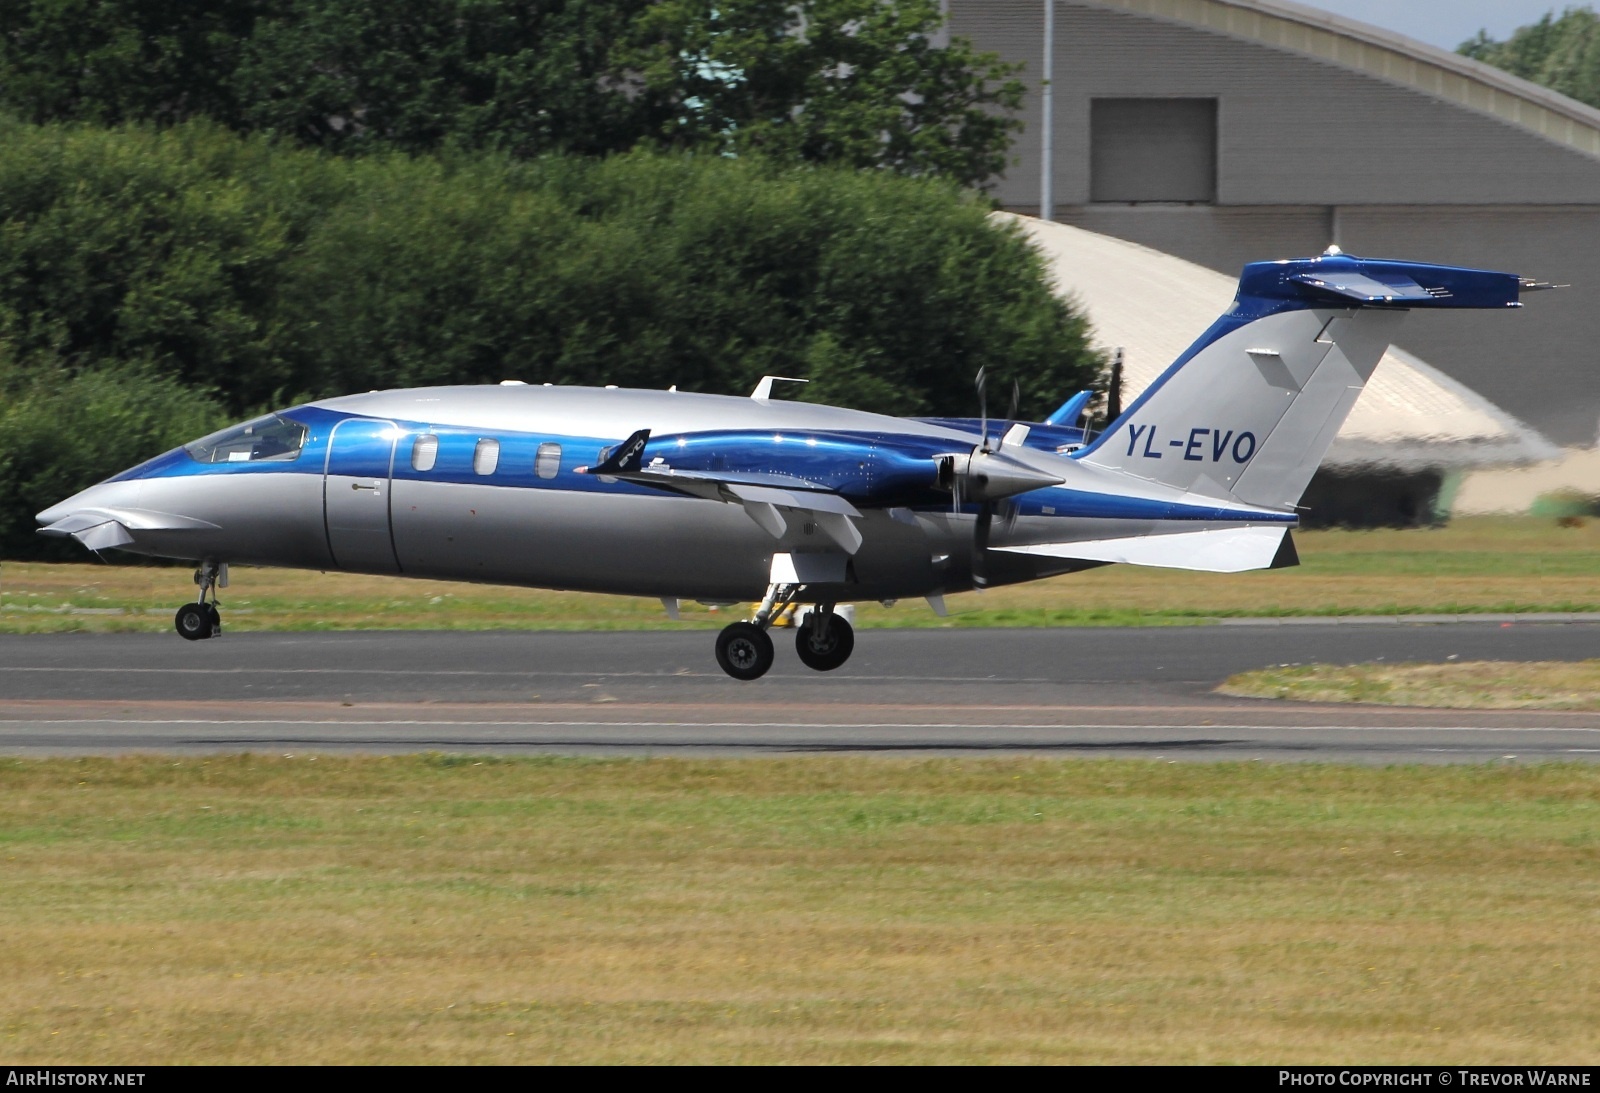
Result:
x=273 y=438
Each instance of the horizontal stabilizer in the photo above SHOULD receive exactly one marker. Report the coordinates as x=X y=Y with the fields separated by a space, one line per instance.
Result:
x=1219 y=550
x=1364 y=289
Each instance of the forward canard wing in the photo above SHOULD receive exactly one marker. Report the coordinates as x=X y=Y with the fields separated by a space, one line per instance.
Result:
x=102 y=529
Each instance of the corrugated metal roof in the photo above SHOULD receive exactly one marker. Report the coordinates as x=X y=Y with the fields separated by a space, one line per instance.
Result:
x=1153 y=306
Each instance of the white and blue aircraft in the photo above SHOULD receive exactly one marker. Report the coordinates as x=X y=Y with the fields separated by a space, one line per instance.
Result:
x=725 y=499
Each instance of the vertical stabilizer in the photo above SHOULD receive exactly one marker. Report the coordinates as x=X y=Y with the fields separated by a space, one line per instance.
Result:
x=1250 y=410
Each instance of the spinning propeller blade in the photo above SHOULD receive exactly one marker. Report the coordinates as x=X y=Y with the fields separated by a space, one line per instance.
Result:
x=980 y=545
x=985 y=520
x=982 y=384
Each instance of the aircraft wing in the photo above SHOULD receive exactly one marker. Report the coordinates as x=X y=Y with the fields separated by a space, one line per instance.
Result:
x=763 y=495
x=763 y=498
x=102 y=529
x=1217 y=550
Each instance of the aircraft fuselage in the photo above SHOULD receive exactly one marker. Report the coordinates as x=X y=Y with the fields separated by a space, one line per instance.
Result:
x=484 y=484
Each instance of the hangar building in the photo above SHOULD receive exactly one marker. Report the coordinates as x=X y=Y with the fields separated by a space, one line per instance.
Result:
x=1228 y=131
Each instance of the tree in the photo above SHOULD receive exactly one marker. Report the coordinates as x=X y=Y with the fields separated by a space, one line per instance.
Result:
x=862 y=83
x=267 y=273
x=522 y=76
x=1560 y=52
x=111 y=61
x=855 y=82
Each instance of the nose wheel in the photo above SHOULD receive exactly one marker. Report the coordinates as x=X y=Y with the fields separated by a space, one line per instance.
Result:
x=201 y=619
x=197 y=620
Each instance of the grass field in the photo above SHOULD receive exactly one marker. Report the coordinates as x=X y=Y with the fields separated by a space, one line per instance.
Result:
x=1472 y=565
x=1474 y=685
x=417 y=909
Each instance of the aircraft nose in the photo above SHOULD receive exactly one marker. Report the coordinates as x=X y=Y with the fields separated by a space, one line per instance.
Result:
x=102 y=496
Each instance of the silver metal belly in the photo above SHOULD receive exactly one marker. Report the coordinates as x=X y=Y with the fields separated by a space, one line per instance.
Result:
x=633 y=544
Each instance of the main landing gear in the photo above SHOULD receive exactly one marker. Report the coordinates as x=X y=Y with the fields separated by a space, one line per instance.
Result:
x=201 y=619
x=824 y=640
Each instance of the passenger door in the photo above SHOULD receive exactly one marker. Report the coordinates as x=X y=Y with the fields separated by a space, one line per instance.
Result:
x=355 y=495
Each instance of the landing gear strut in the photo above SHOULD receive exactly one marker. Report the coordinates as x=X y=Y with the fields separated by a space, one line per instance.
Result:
x=824 y=641
x=201 y=619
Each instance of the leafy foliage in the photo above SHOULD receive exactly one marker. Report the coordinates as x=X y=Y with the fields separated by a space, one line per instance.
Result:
x=866 y=84
x=270 y=274
x=857 y=82
x=1561 y=52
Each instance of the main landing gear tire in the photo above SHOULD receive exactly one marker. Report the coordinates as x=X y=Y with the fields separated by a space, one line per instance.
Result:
x=824 y=642
x=196 y=621
x=744 y=651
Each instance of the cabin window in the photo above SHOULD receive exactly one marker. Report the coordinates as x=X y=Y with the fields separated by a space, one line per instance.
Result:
x=1153 y=150
x=424 y=452
x=486 y=456
x=273 y=438
x=548 y=462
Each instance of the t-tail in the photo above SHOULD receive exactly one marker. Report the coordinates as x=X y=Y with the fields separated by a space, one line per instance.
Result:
x=1249 y=411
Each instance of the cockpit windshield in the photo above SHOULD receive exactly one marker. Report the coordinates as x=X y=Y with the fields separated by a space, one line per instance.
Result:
x=271 y=438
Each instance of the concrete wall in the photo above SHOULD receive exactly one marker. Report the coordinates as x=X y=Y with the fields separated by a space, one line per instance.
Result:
x=1310 y=153
x=1288 y=124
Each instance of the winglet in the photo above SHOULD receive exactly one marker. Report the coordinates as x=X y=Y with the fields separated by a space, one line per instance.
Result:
x=625 y=458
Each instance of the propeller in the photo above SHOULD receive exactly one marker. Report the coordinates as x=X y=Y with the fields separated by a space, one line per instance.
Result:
x=982 y=384
x=988 y=477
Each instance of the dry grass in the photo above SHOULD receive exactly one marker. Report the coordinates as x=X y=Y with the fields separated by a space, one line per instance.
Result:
x=1472 y=565
x=1464 y=685
x=412 y=909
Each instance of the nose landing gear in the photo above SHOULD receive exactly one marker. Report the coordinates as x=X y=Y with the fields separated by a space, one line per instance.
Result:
x=201 y=619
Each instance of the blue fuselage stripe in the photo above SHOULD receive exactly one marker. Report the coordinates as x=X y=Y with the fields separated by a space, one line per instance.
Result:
x=827 y=459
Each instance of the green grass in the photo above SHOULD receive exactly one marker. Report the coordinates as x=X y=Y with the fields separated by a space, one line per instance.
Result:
x=448 y=909
x=1471 y=566
x=1480 y=685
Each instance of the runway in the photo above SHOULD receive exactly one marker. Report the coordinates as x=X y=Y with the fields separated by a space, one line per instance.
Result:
x=1105 y=692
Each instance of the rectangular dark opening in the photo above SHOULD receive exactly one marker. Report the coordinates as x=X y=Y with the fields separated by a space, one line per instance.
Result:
x=1153 y=150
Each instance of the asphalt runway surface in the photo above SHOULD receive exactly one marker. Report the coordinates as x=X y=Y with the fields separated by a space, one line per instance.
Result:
x=1143 y=692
